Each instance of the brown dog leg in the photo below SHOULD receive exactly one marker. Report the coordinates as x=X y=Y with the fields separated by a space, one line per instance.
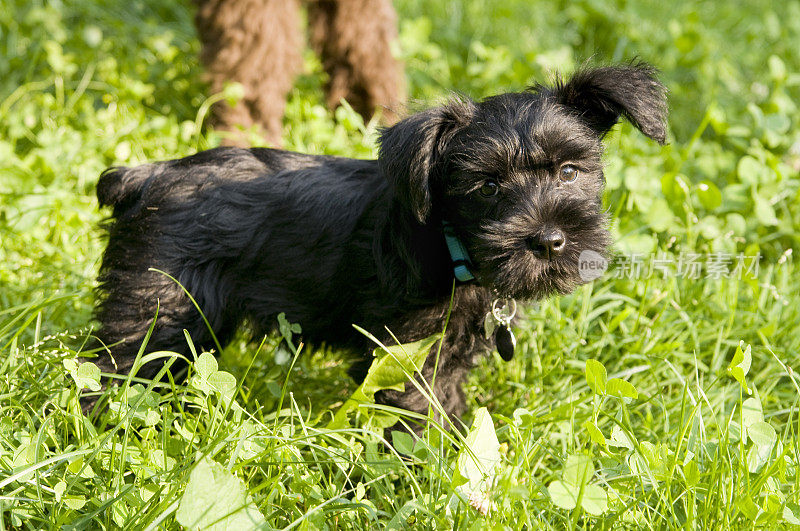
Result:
x=257 y=43
x=353 y=39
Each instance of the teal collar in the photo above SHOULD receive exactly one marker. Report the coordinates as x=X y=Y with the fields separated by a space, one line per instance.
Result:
x=458 y=254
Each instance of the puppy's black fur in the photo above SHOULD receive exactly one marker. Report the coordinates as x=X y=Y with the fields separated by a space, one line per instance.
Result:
x=335 y=241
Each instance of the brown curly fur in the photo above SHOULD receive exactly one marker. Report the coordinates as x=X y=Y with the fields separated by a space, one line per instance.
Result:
x=353 y=38
x=258 y=44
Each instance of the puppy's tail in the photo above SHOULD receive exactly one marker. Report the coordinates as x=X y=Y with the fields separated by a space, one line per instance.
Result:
x=120 y=186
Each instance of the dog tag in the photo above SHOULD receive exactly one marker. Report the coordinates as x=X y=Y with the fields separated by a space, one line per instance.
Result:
x=489 y=325
x=503 y=311
x=505 y=342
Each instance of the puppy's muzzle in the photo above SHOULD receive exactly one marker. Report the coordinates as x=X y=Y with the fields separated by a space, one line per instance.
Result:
x=548 y=244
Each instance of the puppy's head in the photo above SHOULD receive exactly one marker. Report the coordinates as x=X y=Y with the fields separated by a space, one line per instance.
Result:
x=519 y=176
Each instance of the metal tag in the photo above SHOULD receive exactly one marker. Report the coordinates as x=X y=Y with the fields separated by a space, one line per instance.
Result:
x=489 y=325
x=503 y=311
x=505 y=342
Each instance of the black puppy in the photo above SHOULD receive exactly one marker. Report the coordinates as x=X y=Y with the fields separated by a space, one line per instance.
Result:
x=499 y=196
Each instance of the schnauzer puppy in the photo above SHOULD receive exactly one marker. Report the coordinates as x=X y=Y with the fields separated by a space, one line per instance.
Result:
x=469 y=206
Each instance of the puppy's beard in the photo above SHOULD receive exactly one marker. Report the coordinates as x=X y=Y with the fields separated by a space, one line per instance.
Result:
x=505 y=263
x=523 y=276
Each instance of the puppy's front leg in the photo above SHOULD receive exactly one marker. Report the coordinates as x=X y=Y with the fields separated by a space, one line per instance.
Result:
x=446 y=384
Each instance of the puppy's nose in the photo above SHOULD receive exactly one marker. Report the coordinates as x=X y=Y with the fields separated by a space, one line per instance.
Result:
x=548 y=244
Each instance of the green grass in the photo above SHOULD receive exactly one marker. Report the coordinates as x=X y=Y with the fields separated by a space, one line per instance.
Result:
x=704 y=434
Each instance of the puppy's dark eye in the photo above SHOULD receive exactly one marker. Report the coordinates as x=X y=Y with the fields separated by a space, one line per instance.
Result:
x=568 y=173
x=489 y=189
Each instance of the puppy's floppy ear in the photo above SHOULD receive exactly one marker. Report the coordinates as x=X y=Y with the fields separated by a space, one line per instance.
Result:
x=411 y=149
x=602 y=95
